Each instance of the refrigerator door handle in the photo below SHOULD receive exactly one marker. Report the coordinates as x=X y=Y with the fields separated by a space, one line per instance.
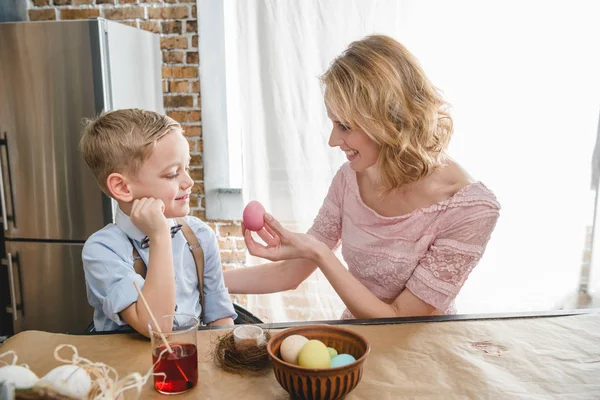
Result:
x=2 y=193
x=13 y=293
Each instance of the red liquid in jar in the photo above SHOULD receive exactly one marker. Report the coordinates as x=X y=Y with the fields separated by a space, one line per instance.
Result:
x=181 y=368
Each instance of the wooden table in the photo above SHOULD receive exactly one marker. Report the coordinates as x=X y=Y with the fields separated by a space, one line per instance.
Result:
x=519 y=356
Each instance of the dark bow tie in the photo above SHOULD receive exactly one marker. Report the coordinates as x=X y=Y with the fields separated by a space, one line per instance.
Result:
x=174 y=230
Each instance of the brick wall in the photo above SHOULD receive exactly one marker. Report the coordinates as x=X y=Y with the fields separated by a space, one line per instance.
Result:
x=176 y=22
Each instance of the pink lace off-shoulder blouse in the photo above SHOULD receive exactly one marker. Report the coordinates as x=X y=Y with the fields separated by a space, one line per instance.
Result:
x=430 y=251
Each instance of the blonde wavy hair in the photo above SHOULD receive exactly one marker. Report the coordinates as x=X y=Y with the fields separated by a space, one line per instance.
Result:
x=121 y=140
x=376 y=84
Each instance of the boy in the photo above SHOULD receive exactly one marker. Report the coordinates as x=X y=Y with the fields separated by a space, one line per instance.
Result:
x=141 y=159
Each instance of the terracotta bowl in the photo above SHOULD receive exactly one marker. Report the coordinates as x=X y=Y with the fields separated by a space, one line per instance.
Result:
x=322 y=384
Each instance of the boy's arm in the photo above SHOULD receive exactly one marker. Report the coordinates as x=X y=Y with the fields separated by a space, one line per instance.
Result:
x=222 y=322
x=110 y=278
x=158 y=289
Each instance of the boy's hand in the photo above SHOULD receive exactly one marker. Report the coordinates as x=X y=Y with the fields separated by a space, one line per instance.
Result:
x=148 y=215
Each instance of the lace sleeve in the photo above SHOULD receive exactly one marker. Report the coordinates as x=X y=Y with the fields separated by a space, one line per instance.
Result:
x=327 y=226
x=443 y=270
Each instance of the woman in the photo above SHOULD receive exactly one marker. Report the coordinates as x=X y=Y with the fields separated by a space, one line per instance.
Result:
x=412 y=223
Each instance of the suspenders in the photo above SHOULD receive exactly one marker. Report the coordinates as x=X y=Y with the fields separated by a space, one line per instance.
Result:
x=197 y=253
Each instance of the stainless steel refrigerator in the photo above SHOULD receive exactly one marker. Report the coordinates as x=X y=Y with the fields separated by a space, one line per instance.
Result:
x=52 y=76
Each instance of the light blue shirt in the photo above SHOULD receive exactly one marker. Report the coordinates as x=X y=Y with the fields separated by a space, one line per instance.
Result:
x=109 y=274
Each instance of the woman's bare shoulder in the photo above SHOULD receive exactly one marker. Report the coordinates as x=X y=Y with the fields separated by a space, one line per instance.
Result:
x=450 y=178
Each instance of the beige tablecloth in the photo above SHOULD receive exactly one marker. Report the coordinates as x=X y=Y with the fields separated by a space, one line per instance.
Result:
x=532 y=358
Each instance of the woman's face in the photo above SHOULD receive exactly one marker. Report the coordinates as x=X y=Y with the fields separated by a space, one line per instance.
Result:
x=361 y=151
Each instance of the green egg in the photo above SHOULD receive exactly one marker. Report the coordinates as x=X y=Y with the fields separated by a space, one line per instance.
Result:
x=332 y=352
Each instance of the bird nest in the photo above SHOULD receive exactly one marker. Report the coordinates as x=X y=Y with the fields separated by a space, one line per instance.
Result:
x=253 y=360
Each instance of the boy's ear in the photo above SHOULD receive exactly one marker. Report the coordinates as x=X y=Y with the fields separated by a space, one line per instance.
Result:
x=118 y=187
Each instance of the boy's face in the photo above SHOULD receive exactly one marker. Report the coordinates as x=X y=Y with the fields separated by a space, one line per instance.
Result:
x=164 y=175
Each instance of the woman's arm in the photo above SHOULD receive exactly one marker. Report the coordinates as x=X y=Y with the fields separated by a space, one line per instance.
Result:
x=269 y=278
x=436 y=280
x=446 y=265
x=286 y=245
x=359 y=300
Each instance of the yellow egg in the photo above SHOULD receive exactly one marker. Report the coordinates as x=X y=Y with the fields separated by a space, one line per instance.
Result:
x=314 y=354
x=290 y=347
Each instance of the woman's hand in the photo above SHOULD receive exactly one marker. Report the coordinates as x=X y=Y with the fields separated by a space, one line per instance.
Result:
x=282 y=244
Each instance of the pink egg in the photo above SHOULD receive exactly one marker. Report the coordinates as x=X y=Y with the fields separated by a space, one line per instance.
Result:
x=254 y=216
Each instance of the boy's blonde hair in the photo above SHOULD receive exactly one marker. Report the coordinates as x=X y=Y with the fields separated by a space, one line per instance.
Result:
x=377 y=85
x=121 y=140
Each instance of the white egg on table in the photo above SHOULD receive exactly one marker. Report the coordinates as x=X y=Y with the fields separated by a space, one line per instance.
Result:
x=18 y=376
x=68 y=380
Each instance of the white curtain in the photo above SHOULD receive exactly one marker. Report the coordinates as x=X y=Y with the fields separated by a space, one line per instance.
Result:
x=524 y=83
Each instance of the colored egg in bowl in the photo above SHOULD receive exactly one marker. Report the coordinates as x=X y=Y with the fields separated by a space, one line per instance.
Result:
x=321 y=362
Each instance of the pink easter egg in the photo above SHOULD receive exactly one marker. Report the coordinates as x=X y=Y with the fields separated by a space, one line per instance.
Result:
x=254 y=216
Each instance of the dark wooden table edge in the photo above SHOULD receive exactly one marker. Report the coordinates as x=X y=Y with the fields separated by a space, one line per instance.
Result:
x=404 y=320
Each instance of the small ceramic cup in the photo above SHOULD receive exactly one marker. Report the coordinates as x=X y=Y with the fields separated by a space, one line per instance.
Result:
x=247 y=336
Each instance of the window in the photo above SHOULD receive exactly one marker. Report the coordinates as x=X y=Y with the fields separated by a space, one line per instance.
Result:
x=521 y=77
x=220 y=120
